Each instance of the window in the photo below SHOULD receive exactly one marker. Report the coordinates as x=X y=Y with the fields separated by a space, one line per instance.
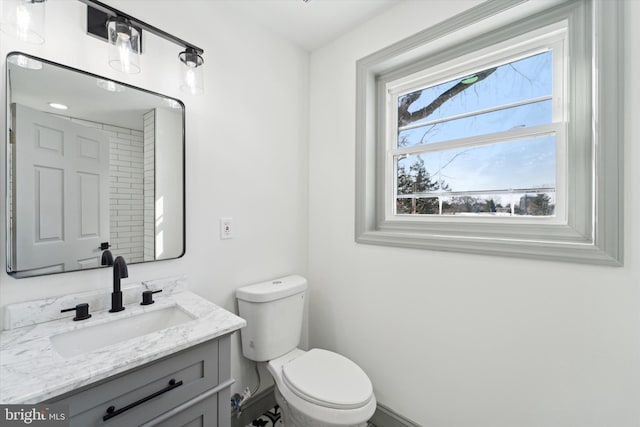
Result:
x=484 y=143
x=490 y=140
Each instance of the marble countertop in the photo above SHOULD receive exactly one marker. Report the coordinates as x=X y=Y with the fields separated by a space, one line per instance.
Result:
x=32 y=371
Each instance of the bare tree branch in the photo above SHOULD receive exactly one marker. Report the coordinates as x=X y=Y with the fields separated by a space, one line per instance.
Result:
x=405 y=117
x=452 y=159
x=523 y=75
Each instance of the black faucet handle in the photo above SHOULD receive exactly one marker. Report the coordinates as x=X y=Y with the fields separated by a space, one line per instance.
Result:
x=147 y=297
x=82 y=311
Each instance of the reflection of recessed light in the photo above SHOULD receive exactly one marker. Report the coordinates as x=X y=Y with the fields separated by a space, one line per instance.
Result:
x=58 y=106
x=109 y=85
x=25 y=62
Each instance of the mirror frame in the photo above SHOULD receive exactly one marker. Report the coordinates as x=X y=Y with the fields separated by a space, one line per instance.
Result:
x=7 y=190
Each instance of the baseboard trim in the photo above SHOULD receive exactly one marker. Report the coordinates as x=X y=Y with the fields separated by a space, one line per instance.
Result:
x=256 y=406
x=265 y=400
x=386 y=417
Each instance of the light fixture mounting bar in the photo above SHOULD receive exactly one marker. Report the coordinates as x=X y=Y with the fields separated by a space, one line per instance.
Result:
x=110 y=11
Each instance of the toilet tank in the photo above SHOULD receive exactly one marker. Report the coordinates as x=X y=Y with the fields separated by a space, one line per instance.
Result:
x=273 y=311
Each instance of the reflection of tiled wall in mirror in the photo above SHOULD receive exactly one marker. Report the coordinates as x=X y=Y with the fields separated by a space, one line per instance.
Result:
x=126 y=175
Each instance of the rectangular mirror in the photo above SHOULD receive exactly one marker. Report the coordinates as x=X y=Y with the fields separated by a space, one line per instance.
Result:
x=92 y=164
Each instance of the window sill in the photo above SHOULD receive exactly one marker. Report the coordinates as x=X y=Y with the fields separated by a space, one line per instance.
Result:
x=576 y=251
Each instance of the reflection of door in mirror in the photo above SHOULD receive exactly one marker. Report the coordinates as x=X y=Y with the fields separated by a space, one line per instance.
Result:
x=60 y=193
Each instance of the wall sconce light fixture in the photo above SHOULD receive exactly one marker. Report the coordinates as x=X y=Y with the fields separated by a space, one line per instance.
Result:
x=124 y=34
x=124 y=45
x=192 y=76
x=23 y=19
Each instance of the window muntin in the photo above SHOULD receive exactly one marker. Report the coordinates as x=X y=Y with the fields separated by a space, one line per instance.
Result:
x=521 y=116
x=502 y=176
x=483 y=144
x=495 y=205
x=516 y=82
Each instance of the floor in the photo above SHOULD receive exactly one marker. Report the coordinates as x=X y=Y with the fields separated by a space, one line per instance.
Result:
x=268 y=419
x=273 y=418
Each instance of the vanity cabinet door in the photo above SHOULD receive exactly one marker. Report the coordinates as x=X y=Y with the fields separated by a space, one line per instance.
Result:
x=202 y=414
x=145 y=393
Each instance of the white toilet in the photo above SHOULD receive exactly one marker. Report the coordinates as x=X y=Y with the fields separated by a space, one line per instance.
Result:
x=315 y=388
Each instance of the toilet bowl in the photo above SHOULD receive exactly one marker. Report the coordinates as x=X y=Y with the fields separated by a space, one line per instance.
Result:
x=315 y=388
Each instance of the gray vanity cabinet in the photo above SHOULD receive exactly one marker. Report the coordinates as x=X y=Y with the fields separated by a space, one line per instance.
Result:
x=189 y=388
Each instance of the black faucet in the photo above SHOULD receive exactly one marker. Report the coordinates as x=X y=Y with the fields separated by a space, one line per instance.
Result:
x=107 y=258
x=119 y=271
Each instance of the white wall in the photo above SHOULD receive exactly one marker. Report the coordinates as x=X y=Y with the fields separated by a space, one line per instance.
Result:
x=246 y=148
x=462 y=340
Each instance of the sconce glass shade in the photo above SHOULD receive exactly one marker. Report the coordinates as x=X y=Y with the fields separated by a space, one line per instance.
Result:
x=23 y=19
x=192 y=74
x=124 y=46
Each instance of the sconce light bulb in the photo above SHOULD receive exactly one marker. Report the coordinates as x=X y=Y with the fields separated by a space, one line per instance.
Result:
x=122 y=44
x=190 y=78
x=122 y=29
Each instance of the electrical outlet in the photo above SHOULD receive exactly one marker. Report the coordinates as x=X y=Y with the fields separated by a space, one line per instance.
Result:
x=226 y=228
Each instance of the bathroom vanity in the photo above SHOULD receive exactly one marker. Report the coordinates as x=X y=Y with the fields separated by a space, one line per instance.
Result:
x=105 y=171
x=191 y=387
x=112 y=371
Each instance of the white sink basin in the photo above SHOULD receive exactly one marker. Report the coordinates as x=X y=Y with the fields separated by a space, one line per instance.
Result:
x=91 y=338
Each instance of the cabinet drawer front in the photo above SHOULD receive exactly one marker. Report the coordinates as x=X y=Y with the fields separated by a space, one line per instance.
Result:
x=146 y=390
x=202 y=414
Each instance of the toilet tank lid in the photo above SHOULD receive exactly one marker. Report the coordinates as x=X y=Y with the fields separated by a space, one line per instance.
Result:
x=272 y=290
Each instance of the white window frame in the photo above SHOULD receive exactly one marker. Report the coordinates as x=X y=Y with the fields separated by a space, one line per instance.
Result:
x=553 y=37
x=588 y=223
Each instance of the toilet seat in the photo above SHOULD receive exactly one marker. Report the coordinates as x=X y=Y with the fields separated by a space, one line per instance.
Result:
x=328 y=379
x=304 y=403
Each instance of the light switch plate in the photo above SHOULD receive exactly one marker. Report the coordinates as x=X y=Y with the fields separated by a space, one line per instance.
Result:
x=226 y=228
